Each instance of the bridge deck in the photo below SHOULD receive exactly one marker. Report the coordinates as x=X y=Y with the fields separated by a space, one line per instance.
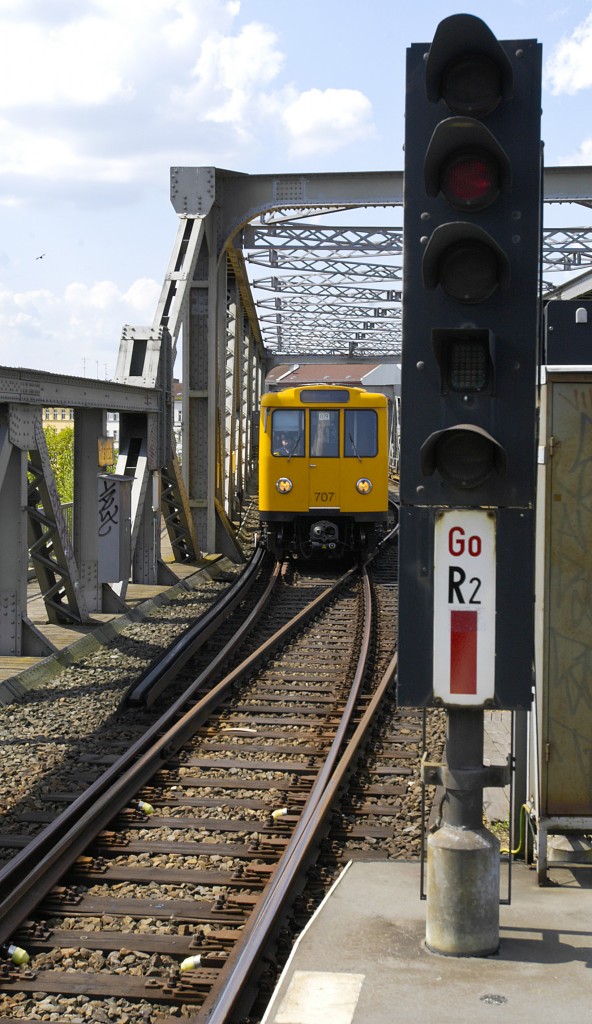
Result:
x=63 y=637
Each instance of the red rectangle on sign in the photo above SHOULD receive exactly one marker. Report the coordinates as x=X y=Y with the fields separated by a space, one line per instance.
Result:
x=463 y=652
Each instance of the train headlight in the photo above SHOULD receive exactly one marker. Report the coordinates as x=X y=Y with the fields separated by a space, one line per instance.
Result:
x=364 y=485
x=284 y=485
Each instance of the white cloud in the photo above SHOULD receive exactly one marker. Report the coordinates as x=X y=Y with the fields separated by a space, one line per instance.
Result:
x=98 y=97
x=30 y=300
x=100 y=91
x=92 y=52
x=583 y=157
x=100 y=295
x=323 y=121
x=139 y=299
x=81 y=63
x=228 y=74
x=31 y=154
x=569 y=68
x=142 y=297
x=79 y=328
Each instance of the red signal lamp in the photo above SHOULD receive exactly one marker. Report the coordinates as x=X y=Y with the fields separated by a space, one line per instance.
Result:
x=465 y=163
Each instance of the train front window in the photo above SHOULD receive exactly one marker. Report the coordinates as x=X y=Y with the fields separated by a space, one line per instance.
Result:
x=324 y=433
x=361 y=434
x=287 y=432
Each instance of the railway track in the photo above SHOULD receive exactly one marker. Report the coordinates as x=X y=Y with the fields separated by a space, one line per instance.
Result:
x=162 y=892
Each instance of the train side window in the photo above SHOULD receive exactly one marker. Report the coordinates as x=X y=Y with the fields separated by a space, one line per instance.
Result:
x=287 y=432
x=324 y=433
x=361 y=434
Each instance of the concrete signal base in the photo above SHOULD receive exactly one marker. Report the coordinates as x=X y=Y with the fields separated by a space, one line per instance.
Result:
x=462 y=885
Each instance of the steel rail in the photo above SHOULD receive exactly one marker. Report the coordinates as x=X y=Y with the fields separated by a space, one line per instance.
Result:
x=29 y=876
x=164 y=668
x=218 y=1008
x=76 y=821
x=227 y=1006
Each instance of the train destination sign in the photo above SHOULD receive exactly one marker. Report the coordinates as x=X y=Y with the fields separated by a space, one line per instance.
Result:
x=464 y=606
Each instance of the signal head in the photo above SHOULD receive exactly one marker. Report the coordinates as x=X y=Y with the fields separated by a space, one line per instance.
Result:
x=467 y=68
x=464 y=455
x=466 y=262
x=466 y=164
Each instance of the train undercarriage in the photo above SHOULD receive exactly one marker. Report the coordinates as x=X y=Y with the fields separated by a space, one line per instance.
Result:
x=309 y=536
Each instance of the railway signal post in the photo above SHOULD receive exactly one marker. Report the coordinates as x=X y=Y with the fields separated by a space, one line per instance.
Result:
x=468 y=433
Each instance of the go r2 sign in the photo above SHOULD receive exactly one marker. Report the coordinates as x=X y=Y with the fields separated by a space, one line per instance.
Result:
x=464 y=607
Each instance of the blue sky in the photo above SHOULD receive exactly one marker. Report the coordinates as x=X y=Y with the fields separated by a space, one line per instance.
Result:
x=99 y=98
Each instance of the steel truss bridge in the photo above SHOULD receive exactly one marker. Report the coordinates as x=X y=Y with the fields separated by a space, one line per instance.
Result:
x=335 y=290
x=259 y=274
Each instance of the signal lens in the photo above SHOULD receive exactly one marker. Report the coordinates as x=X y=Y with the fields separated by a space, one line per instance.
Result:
x=468 y=366
x=465 y=456
x=363 y=485
x=284 y=485
x=469 y=271
x=470 y=182
x=472 y=84
x=465 y=459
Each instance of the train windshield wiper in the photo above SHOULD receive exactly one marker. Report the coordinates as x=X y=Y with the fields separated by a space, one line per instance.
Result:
x=354 y=448
x=295 y=445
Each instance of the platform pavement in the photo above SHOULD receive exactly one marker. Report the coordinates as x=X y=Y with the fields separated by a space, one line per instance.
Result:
x=362 y=959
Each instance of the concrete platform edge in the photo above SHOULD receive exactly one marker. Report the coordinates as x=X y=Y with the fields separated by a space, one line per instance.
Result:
x=301 y=938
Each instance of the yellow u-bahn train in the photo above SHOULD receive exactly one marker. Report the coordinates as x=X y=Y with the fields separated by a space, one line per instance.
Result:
x=323 y=470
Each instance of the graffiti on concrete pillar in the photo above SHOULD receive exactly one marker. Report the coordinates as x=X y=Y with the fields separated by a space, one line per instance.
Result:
x=108 y=507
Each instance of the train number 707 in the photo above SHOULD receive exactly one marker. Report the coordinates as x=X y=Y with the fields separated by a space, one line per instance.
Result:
x=324 y=495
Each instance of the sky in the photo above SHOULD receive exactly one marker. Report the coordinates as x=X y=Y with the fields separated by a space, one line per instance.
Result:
x=99 y=98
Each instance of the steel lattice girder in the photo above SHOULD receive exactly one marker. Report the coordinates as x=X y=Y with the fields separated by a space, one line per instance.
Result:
x=303 y=298
x=267 y=219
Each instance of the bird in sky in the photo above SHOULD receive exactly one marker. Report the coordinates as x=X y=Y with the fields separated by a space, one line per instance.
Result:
x=40 y=257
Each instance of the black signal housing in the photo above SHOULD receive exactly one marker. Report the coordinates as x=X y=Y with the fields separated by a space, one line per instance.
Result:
x=472 y=227
x=471 y=242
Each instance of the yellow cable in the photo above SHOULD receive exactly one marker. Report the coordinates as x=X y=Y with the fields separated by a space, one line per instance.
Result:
x=525 y=807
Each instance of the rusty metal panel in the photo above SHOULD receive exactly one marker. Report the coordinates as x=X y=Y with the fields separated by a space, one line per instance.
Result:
x=566 y=747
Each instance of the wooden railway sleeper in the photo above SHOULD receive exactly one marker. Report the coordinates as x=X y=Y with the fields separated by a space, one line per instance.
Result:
x=109 y=839
x=221 y=938
x=302 y=783
x=112 y=986
x=241 y=901
x=39 y=930
x=10 y=975
x=256 y=874
x=194 y=980
x=298 y=798
x=269 y=847
x=61 y=896
x=212 y=959
x=279 y=826
x=85 y=864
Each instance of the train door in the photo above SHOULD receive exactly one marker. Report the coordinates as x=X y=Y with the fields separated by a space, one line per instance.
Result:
x=364 y=459
x=324 y=467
